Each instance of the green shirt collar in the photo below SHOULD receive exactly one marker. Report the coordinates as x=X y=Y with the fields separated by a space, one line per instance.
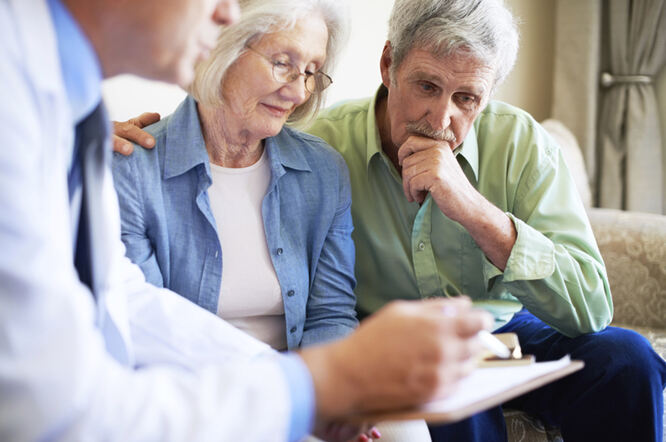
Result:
x=374 y=146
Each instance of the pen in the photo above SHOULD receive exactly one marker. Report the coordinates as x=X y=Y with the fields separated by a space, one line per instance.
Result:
x=493 y=344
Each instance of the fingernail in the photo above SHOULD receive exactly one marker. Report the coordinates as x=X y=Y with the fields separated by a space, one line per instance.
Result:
x=148 y=142
x=126 y=148
x=375 y=433
x=363 y=438
x=449 y=310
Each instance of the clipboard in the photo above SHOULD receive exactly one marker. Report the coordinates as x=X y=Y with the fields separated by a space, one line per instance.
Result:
x=484 y=388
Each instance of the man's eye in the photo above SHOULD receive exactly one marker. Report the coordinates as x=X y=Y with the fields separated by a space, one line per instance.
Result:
x=426 y=87
x=466 y=100
x=280 y=64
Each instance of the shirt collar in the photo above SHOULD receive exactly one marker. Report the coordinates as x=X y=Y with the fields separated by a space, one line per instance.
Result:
x=80 y=66
x=469 y=149
x=185 y=147
x=284 y=151
x=374 y=144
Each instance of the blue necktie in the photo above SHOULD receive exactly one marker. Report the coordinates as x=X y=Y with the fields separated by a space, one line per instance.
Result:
x=82 y=241
x=90 y=135
x=92 y=256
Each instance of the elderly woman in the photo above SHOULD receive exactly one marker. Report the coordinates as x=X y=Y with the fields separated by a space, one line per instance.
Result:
x=236 y=212
x=246 y=217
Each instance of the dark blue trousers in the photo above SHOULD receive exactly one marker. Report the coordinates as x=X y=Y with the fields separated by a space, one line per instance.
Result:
x=618 y=396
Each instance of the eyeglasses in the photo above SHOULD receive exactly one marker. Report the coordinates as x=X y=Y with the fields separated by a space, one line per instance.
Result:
x=285 y=72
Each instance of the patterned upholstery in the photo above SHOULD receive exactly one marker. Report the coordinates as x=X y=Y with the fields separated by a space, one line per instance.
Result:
x=633 y=246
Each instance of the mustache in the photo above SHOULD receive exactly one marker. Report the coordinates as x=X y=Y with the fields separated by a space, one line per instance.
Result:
x=423 y=129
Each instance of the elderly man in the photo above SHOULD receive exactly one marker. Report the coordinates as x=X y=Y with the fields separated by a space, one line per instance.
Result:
x=89 y=350
x=455 y=194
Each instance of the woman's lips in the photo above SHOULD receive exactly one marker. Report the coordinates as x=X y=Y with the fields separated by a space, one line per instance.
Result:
x=276 y=110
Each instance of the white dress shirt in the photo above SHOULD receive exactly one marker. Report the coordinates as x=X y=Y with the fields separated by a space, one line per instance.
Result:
x=183 y=374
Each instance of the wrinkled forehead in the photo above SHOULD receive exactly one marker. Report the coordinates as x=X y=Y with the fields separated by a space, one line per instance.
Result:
x=460 y=63
x=456 y=51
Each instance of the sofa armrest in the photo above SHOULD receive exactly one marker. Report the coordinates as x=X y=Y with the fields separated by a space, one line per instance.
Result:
x=633 y=246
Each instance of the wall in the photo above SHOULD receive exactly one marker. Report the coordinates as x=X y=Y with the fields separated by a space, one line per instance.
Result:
x=529 y=86
x=357 y=75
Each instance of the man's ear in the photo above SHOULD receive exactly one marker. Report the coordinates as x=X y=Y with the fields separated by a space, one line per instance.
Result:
x=385 y=64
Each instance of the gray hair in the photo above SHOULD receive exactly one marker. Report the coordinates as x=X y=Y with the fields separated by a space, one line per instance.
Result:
x=483 y=29
x=261 y=17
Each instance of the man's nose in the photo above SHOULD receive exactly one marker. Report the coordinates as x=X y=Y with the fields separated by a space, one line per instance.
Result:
x=227 y=12
x=440 y=118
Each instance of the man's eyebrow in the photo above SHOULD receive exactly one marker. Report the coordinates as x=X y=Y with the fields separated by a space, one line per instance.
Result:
x=438 y=81
x=421 y=75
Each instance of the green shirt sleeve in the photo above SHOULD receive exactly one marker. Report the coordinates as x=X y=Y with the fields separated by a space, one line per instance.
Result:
x=555 y=268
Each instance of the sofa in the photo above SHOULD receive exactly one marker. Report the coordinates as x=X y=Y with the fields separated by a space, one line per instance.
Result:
x=633 y=246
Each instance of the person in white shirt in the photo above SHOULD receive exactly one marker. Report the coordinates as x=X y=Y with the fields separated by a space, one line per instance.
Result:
x=88 y=349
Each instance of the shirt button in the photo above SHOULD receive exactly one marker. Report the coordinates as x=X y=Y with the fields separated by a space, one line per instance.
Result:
x=421 y=245
x=279 y=251
x=291 y=293
x=293 y=329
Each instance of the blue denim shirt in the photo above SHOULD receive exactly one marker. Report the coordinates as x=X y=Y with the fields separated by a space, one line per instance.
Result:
x=169 y=230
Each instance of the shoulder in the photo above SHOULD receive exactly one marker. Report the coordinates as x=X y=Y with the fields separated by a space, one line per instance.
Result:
x=340 y=116
x=317 y=152
x=503 y=126
x=349 y=109
x=147 y=161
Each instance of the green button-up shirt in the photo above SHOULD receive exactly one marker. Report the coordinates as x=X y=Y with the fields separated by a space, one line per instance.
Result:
x=411 y=251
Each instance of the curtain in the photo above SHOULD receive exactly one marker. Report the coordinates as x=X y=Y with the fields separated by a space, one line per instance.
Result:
x=630 y=146
x=607 y=55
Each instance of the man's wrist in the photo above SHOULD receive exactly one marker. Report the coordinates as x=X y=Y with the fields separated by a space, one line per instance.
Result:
x=301 y=392
x=491 y=229
x=334 y=395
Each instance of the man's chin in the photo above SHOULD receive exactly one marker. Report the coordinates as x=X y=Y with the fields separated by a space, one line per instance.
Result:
x=184 y=76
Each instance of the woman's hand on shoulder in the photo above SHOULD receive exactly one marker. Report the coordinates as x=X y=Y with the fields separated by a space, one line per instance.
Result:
x=131 y=131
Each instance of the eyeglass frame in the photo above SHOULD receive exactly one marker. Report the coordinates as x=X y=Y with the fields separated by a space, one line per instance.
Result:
x=293 y=72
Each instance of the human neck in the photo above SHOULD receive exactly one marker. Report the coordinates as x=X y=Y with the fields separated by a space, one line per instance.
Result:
x=225 y=147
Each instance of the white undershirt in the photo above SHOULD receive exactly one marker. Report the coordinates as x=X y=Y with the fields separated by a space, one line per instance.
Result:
x=250 y=295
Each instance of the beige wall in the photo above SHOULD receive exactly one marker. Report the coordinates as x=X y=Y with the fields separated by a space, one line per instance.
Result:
x=529 y=86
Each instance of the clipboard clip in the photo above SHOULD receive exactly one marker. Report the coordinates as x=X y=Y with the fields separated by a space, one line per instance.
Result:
x=516 y=357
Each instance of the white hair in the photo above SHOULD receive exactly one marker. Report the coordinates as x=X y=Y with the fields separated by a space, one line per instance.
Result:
x=261 y=17
x=483 y=29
